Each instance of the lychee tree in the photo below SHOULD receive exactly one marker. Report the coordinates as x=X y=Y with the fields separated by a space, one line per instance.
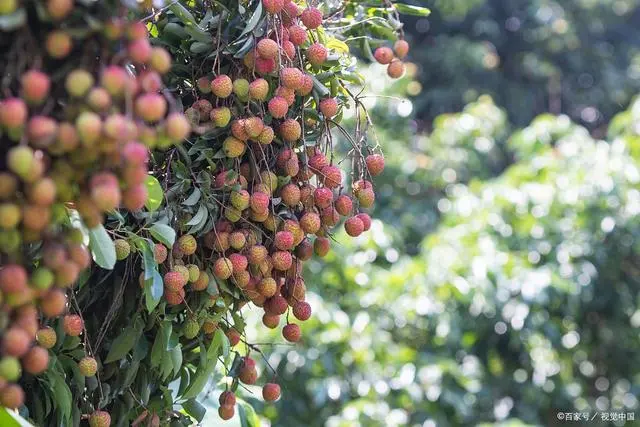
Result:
x=162 y=166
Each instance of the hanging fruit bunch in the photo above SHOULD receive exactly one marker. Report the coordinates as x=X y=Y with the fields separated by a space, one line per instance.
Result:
x=161 y=167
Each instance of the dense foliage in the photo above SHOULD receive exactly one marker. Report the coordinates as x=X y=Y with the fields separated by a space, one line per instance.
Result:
x=164 y=165
x=522 y=303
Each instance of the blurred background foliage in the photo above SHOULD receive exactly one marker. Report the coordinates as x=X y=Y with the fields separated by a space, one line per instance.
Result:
x=500 y=283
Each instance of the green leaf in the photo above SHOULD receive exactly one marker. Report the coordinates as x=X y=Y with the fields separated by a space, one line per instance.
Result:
x=193 y=198
x=253 y=22
x=153 y=283
x=185 y=16
x=123 y=344
x=13 y=21
x=199 y=216
x=203 y=373
x=163 y=233
x=176 y=358
x=9 y=418
x=160 y=344
x=62 y=395
x=155 y=192
x=102 y=248
x=408 y=9
x=248 y=416
x=195 y=409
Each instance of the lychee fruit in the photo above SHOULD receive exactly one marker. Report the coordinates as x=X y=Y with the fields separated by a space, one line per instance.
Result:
x=366 y=220
x=100 y=419
x=310 y=222
x=36 y=360
x=291 y=332
x=187 y=244
x=248 y=373
x=354 y=226
x=35 y=86
x=222 y=86
x=383 y=55
x=375 y=164
x=227 y=397
x=240 y=199
x=190 y=329
x=241 y=88
x=282 y=260
x=271 y=392
x=59 y=8
x=46 y=337
x=78 y=82
x=223 y=268
x=290 y=12
x=307 y=85
x=329 y=107
x=58 y=44
x=238 y=130
x=233 y=336
x=160 y=60
x=266 y=136
x=291 y=78
x=53 y=303
x=13 y=278
x=238 y=262
x=257 y=254
x=123 y=249
x=177 y=127
x=322 y=197
x=267 y=48
x=332 y=176
x=401 y=48
x=321 y=246
x=253 y=126
x=259 y=89
x=278 y=107
x=15 y=342
x=88 y=366
x=226 y=412
x=290 y=130
x=139 y=50
x=12 y=396
x=259 y=202
x=151 y=107
x=297 y=35
x=13 y=113
x=273 y=6
x=220 y=116
x=395 y=70
x=89 y=128
x=318 y=161
x=344 y=205
x=271 y=321
x=267 y=287
x=265 y=66
x=73 y=325
x=290 y=194
x=276 y=305
x=302 y=310
x=288 y=94
x=173 y=297
x=311 y=18
x=202 y=282
x=159 y=253
x=317 y=54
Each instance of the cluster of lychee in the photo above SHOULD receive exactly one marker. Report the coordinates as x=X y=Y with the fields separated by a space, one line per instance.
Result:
x=392 y=58
x=77 y=140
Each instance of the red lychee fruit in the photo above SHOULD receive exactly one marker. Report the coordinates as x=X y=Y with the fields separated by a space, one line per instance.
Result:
x=307 y=85
x=259 y=202
x=271 y=392
x=366 y=197
x=222 y=86
x=267 y=49
x=289 y=49
x=248 y=373
x=139 y=50
x=311 y=18
x=174 y=281
x=135 y=197
x=282 y=260
x=35 y=86
x=88 y=366
x=291 y=78
x=273 y=6
x=73 y=325
x=270 y=321
x=354 y=226
x=401 y=48
x=329 y=107
x=257 y=254
x=226 y=412
x=344 y=205
x=278 y=107
x=36 y=360
x=290 y=130
x=227 y=398
x=12 y=396
x=329 y=216
x=302 y=310
x=100 y=419
x=290 y=12
x=13 y=278
x=13 y=113
x=366 y=220
x=323 y=197
x=159 y=253
x=238 y=130
x=174 y=298
x=177 y=127
x=114 y=80
x=288 y=94
x=253 y=126
x=318 y=161
x=375 y=164
x=204 y=85
x=290 y=194
x=283 y=240
x=317 y=54
x=265 y=66
x=395 y=70
x=291 y=332
x=151 y=107
x=238 y=262
x=276 y=305
x=297 y=35
x=267 y=287
x=233 y=336
x=15 y=342
x=41 y=131
x=332 y=176
x=383 y=55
